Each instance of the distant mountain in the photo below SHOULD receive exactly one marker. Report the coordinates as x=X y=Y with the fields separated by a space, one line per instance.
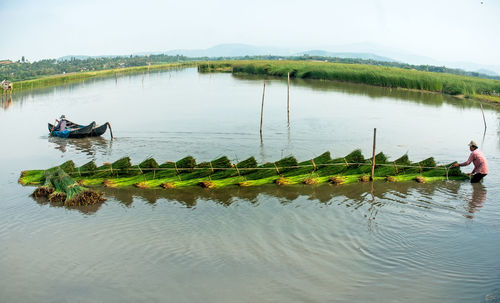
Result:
x=227 y=50
x=486 y=72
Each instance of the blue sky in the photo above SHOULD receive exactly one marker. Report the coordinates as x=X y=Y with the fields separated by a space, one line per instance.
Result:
x=459 y=30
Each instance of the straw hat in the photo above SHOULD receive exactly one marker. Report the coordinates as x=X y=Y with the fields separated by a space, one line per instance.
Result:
x=62 y=117
x=473 y=143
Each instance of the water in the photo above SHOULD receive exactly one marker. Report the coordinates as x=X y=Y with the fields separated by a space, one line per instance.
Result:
x=384 y=243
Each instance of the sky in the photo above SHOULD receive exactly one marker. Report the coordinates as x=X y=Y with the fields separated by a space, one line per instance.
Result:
x=451 y=30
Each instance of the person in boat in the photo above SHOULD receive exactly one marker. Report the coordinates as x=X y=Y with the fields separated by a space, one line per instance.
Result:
x=480 y=165
x=61 y=124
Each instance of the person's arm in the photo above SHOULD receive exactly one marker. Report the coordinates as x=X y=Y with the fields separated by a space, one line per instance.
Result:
x=471 y=157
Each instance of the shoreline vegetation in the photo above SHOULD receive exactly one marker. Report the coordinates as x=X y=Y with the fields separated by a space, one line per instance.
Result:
x=449 y=84
x=487 y=90
x=61 y=79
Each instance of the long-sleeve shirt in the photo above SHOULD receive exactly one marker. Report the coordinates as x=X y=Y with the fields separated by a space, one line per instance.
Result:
x=61 y=125
x=480 y=165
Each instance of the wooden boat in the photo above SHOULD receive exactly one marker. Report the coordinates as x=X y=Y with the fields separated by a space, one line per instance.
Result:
x=80 y=131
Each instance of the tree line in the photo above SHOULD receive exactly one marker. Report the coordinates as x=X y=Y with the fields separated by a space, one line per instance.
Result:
x=24 y=70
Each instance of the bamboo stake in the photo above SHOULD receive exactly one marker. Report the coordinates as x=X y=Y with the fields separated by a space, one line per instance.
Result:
x=373 y=157
x=110 y=130
x=288 y=100
x=262 y=108
x=484 y=119
x=54 y=125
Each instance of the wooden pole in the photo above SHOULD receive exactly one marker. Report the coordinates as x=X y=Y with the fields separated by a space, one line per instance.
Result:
x=142 y=78
x=53 y=126
x=288 y=100
x=110 y=130
x=373 y=157
x=262 y=108
x=484 y=119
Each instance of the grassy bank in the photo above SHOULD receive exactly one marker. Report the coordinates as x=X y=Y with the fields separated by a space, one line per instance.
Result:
x=78 y=77
x=484 y=89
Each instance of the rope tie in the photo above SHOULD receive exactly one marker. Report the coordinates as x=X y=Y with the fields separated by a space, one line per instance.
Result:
x=237 y=170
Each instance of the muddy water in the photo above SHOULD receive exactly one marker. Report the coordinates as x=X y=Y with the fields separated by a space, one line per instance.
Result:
x=383 y=243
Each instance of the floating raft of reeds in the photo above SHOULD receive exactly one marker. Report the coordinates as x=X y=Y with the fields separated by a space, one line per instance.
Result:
x=71 y=184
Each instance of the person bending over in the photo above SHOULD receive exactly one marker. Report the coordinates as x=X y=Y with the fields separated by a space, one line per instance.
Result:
x=480 y=165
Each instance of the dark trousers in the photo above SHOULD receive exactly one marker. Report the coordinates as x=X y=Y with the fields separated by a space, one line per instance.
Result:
x=476 y=178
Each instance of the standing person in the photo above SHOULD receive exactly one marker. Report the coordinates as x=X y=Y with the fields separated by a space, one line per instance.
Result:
x=61 y=125
x=480 y=165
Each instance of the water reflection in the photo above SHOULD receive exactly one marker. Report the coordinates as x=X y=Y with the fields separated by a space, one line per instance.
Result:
x=6 y=101
x=90 y=146
x=476 y=200
x=87 y=210
x=427 y=98
x=368 y=198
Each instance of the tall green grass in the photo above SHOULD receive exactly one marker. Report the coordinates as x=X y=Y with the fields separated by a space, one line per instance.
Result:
x=78 y=77
x=367 y=74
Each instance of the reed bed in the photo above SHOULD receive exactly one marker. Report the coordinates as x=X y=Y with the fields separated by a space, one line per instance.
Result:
x=366 y=74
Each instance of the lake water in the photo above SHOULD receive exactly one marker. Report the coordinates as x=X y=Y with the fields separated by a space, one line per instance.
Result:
x=386 y=242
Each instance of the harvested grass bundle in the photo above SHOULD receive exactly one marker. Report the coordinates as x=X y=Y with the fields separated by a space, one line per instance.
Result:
x=67 y=167
x=207 y=184
x=42 y=191
x=311 y=181
x=282 y=181
x=168 y=185
x=149 y=163
x=343 y=165
x=244 y=184
x=184 y=165
x=142 y=184
x=420 y=179
x=57 y=196
x=453 y=171
x=208 y=168
x=310 y=165
x=279 y=167
x=337 y=180
x=364 y=178
x=87 y=169
x=108 y=183
x=119 y=167
x=46 y=189
x=242 y=168
x=75 y=194
x=88 y=197
x=390 y=179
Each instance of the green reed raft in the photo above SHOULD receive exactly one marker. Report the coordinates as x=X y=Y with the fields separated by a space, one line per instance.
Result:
x=69 y=184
